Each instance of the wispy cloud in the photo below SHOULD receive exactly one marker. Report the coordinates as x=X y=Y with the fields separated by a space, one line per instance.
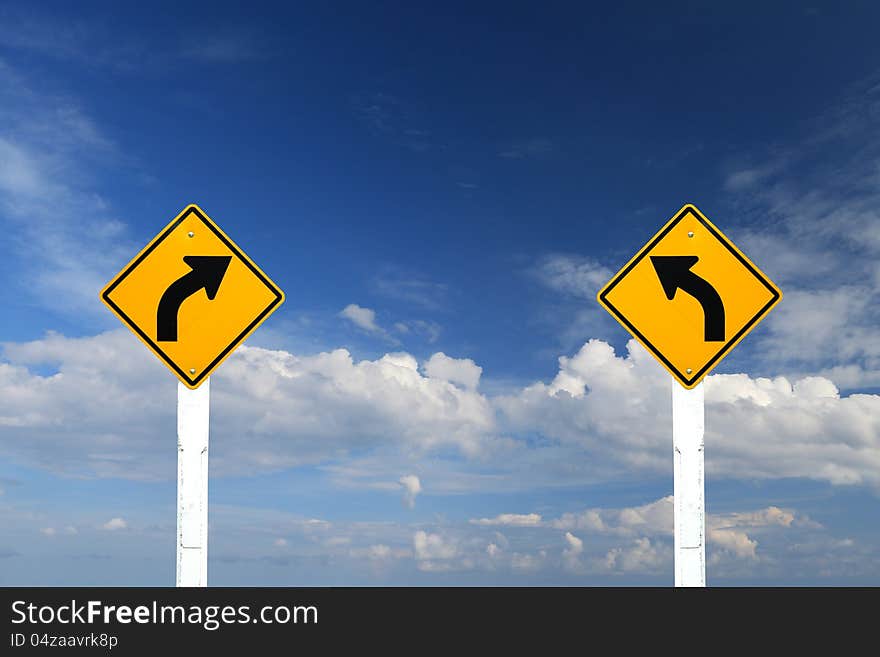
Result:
x=67 y=238
x=365 y=319
x=578 y=276
x=94 y=43
x=224 y=46
x=812 y=220
x=535 y=148
x=396 y=118
x=402 y=285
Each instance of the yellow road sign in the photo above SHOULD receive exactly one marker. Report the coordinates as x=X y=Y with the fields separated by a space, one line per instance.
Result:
x=689 y=296
x=192 y=296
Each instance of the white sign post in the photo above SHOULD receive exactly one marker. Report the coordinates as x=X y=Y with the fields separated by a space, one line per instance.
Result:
x=689 y=296
x=192 y=263
x=192 y=484
x=688 y=486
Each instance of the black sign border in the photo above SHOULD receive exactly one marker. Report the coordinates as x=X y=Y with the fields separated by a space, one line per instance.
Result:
x=196 y=381
x=775 y=296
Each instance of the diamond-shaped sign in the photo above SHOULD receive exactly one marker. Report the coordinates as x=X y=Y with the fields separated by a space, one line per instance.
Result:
x=689 y=296
x=192 y=296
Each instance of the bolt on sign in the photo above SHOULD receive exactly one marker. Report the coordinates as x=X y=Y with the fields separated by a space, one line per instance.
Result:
x=192 y=296
x=689 y=296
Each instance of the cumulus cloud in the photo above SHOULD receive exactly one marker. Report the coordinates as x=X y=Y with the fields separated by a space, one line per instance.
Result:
x=747 y=542
x=571 y=554
x=731 y=531
x=510 y=520
x=99 y=413
x=114 y=524
x=641 y=556
x=575 y=545
x=411 y=488
x=435 y=552
x=734 y=541
x=617 y=409
x=462 y=371
x=602 y=417
x=641 y=536
x=361 y=317
x=432 y=546
x=652 y=518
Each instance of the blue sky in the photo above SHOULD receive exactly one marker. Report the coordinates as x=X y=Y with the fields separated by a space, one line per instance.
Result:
x=440 y=192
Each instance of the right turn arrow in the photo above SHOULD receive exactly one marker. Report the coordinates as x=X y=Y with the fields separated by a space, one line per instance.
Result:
x=207 y=272
x=675 y=272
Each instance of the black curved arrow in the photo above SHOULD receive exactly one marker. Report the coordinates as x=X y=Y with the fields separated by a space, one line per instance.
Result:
x=207 y=272
x=675 y=272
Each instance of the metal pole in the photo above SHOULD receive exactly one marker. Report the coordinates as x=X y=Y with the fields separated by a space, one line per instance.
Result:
x=192 y=484
x=688 y=486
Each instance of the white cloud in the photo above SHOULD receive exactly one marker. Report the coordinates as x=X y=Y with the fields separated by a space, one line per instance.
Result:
x=361 y=317
x=617 y=409
x=525 y=562
x=510 y=520
x=641 y=556
x=365 y=319
x=770 y=516
x=812 y=223
x=411 y=488
x=409 y=287
x=729 y=531
x=768 y=542
x=429 y=331
x=379 y=552
x=114 y=524
x=571 y=554
x=99 y=414
x=68 y=240
x=734 y=541
x=455 y=370
x=573 y=275
x=836 y=326
x=51 y=532
x=653 y=518
x=601 y=418
x=433 y=546
x=436 y=553
x=646 y=532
